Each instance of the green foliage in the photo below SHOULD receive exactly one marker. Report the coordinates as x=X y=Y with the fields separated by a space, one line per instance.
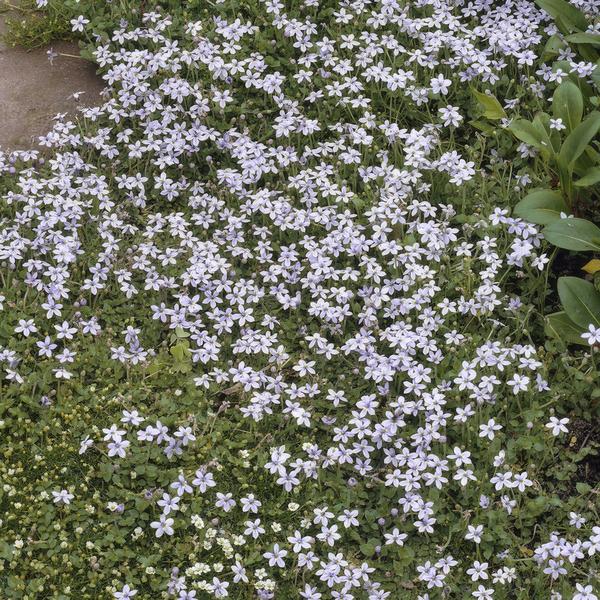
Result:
x=590 y=177
x=492 y=108
x=541 y=207
x=567 y=104
x=560 y=326
x=162 y=387
x=573 y=234
x=567 y=16
x=580 y=300
x=29 y=28
x=578 y=140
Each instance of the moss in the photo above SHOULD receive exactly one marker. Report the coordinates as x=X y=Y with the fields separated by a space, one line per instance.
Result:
x=29 y=28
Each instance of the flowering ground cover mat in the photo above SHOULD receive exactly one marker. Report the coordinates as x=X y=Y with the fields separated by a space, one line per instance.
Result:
x=275 y=317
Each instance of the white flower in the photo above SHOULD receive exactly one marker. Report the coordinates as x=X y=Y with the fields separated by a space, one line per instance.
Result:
x=478 y=571
x=79 y=23
x=592 y=335
x=519 y=383
x=489 y=429
x=474 y=533
x=276 y=557
x=163 y=525
x=440 y=85
x=395 y=537
x=483 y=593
x=62 y=497
x=584 y=593
x=126 y=593
x=558 y=426
x=576 y=520
x=85 y=444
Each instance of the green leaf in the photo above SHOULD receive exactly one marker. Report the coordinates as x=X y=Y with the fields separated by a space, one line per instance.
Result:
x=567 y=104
x=6 y=551
x=181 y=333
x=580 y=299
x=535 y=507
x=579 y=138
x=527 y=132
x=560 y=326
x=584 y=38
x=591 y=177
x=553 y=46
x=541 y=207
x=368 y=548
x=483 y=126
x=596 y=75
x=541 y=122
x=493 y=108
x=88 y=54
x=562 y=10
x=181 y=350
x=524 y=130
x=573 y=234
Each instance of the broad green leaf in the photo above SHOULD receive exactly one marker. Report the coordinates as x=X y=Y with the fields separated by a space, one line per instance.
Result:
x=592 y=266
x=596 y=75
x=579 y=138
x=541 y=124
x=549 y=135
x=581 y=301
x=573 y=234
x=584 y=38
x=567 y=104
x=526 y=131
x=6 y=551
x=572 y=17
x=483 y=126
x=493 y=108
x=541 y=207
x=553 y=46
x=591 y=177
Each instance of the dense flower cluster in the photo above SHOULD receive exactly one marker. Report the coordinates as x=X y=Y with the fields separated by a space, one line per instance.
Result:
x=316 y=268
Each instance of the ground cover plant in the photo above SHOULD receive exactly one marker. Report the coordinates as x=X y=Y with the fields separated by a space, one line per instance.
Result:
x=275 y=315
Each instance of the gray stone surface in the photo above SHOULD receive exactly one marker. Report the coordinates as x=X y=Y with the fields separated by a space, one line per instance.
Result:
x=33 y=91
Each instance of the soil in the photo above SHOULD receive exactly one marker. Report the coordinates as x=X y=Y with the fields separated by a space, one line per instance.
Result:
x=586 y=434
x=33 y=91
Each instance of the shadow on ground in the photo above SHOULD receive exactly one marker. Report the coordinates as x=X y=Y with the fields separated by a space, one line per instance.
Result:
x=33 y=91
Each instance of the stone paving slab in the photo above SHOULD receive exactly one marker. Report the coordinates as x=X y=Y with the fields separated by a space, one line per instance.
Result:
x=33 y=91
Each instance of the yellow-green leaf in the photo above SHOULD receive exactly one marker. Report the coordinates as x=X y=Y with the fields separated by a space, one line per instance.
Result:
x=492 y=108
x=591 y=267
